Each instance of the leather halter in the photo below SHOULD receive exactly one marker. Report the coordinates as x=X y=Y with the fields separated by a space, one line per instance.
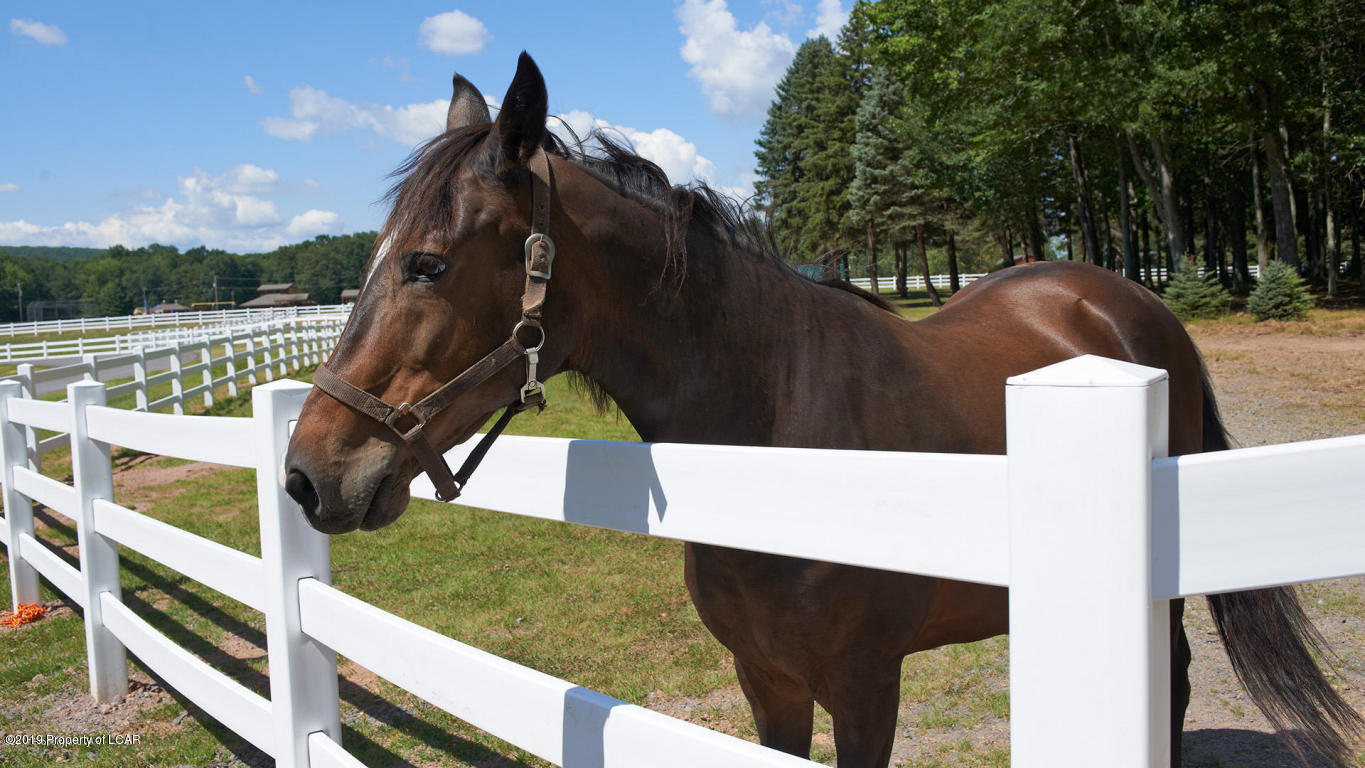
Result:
x=540 y=254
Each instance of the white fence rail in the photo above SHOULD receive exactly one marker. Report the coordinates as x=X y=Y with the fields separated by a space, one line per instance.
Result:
x=1083 y=489
x=886 y=283
x=174 y=319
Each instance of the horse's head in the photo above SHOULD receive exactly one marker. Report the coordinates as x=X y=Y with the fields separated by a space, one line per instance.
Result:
x=444 y=289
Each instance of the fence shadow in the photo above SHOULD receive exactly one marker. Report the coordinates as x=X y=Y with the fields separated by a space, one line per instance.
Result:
x=1240 y=748
x=584 y=727
x=616 y=493
x=389 y=713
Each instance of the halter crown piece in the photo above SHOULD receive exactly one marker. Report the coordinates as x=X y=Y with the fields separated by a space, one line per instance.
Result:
x=540 y=254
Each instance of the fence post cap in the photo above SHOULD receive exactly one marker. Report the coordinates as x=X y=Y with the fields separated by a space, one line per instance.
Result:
x=1089 y=371
x=9 y=388
x=87 y=384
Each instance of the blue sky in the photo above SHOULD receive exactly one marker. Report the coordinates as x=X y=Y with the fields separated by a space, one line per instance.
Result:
x=248 y=125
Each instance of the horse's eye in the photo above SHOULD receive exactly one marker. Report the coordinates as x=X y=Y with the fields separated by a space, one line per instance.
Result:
x=425 y=266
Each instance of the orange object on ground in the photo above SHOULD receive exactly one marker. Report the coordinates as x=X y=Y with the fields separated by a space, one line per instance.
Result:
x=27 y=612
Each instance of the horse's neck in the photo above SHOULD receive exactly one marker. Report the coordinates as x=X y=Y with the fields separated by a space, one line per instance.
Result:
x=725 y=356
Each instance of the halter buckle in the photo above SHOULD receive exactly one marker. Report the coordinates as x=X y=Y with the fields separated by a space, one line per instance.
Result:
x=540 y=237
x=403 y=410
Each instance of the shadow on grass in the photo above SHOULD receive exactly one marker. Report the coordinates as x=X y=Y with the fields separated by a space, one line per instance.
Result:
x=1239 y=748
x=378 y=708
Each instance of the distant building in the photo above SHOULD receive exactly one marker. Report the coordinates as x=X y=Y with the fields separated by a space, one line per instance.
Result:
x=268 y=300
x=349 y=295
x=277 y=288
x=169 y=306
x=273 y=295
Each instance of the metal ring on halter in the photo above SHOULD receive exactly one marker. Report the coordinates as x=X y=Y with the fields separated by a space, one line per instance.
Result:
x=516 y=329
x=538 y=237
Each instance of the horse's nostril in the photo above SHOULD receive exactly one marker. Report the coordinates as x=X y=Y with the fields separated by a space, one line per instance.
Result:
x=301 y=489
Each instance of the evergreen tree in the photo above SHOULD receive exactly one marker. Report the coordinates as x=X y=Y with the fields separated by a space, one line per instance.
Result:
x=786 y=146
x=881 y=194
x=1191 y=297
x=1279 y=294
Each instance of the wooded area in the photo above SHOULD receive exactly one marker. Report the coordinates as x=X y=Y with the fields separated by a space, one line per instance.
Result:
x=1124 y=134
x=118 y=280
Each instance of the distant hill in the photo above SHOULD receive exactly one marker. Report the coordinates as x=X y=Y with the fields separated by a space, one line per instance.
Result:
x=58 y=253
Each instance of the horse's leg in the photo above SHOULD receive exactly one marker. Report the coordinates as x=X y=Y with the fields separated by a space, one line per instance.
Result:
x=783 y=710
x=1180 y=678
x=863 y=702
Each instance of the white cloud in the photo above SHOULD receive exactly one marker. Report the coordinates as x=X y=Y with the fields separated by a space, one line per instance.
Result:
x=783 y=12
x=830 y=17
x=9 y=186
x=227 y=210
x=677 y=156
x=313 y=111
x=404 y=68
x=251 y=84
x=47 y=34
x=737 y=69
x=455 y=33
x=314 y=222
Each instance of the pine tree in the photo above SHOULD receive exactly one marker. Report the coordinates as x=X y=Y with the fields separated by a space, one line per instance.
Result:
x=1279 y=294
x=879 y=183
x=786 y=145
x=1190 y=296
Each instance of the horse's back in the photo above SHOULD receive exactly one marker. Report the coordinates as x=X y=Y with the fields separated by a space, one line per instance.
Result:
x=1027 y=317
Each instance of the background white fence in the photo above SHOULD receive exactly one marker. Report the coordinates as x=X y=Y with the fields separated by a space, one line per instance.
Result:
x=174 y=319
x=187 y=361
x=887 y=282
x=1082 y=504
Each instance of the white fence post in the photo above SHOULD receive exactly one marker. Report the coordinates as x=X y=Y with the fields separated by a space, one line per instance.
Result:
x=1081 y=436
x=177 y=381
x=23 y=579
x=303 y=672
x=140 y=378
x=94 y=479
x=206 y=357
x=231 y=346
x=28 y=389
x=251 y=357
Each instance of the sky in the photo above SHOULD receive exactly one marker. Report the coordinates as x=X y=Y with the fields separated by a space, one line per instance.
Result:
x=249 y=125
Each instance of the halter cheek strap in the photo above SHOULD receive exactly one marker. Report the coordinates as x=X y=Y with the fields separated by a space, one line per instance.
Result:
x=409 y=421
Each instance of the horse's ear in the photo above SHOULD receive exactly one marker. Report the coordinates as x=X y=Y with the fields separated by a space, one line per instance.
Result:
x=467 y=105
x=520 y=127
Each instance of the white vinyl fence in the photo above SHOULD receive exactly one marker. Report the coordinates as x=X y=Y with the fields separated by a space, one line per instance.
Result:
x=173 y=319
x=73 y=350
x=187 y=363
x=886 y=283
x=1084 y=504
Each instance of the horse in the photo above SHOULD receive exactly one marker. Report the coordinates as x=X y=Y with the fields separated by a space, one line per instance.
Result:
x=669 y=302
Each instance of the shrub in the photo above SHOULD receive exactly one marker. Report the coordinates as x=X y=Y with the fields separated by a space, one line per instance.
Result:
x=1190 y=296
x=1279 y=294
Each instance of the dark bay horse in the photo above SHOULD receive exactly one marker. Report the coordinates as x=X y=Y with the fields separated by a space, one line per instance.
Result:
x=663 y=299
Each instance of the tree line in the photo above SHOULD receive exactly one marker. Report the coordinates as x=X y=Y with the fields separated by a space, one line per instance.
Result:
x=118 y=280
x=1132 y=135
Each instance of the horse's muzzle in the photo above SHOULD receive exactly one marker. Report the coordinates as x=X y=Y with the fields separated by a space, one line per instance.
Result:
x=341 y=502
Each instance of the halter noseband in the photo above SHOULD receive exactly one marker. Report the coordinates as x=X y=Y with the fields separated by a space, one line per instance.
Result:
x=540 y=254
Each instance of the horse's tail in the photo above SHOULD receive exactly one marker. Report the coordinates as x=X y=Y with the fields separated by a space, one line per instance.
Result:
x=1271 y=643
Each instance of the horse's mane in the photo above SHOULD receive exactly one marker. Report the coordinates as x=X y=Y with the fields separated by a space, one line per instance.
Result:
x=423 y=193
